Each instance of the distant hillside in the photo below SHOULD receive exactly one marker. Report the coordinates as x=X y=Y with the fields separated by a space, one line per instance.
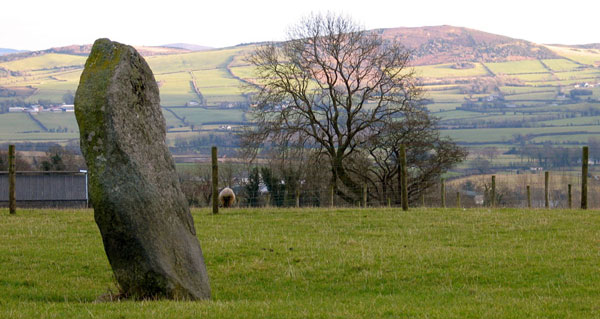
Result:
x=448 y=44
x=187 y=46
x=4 y=51
x=580 y=46
x=84 y=50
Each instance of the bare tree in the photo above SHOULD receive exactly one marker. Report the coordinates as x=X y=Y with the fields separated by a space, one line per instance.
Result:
x=330 y=87
x=429 y=155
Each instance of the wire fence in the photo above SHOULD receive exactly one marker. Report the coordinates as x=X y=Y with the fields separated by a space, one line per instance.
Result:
x=518 y=191
x=509 y=189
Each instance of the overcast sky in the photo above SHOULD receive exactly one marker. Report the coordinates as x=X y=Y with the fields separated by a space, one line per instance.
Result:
x=41 y=24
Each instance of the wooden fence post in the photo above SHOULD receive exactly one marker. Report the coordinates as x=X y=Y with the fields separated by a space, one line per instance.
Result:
x=584 y=174
x=298 y=197
x=215 y=181
x=443 y=192
x=403 y=177
x=365 y=196
x=331 y=193
x=546 y=190
x=528 y=196
x=457 y=199
x=493 y=190
x=570 y=196
x=12 y=180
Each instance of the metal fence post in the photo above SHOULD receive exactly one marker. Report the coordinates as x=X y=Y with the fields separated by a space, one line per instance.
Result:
x=403 y=177
x=215 y=181
x=443 y=192
x=570 y=194
x=12 y=180
x=546 y=190
x=493 y=190
x=584 y=173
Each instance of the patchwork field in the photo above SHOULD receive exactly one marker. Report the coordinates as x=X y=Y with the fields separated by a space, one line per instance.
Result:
x=484 y=103
x=321 y=263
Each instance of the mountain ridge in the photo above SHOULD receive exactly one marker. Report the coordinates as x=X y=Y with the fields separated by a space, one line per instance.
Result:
x=4 y=51
x=450 y=44
x=84 y=50
x=429 y=45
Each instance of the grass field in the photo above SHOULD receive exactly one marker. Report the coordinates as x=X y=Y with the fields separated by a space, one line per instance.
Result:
x=59 y=120
x=176 y=89
x=529 y=85
x=199 y=116
x=16 y=123
x=320 y=263
x=202 y=60
x=44 y=62
x=583 y=56
x=517 y=67
x=446 y=70
x=504 y=134
x=560 y=65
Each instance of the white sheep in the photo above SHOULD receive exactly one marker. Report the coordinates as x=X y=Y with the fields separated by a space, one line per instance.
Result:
x=226 y=197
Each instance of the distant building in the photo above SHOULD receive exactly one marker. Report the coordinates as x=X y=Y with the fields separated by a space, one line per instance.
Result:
x=68 y=108
x=34 y=109
x=16 y=109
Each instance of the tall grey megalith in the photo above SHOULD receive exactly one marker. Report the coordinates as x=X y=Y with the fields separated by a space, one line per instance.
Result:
x=143 y=217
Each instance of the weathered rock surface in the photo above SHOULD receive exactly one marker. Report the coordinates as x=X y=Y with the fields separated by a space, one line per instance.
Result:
x=145 y=222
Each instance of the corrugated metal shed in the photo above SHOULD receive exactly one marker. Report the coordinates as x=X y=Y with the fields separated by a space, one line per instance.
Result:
x=46 y=187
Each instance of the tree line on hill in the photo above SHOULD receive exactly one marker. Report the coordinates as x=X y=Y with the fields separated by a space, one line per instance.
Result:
x=56 y=158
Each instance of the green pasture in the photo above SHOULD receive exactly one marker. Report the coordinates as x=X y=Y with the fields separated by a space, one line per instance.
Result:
x=216 y=78
x=447 y=96
x=18 y=127
x=506 y=134
x=534 y=77
x=59 y=120
x=509 y=90
x=458 y=114
x=170 y=119
x=323 y=263
x=218 y=86
x=441 y=107
x=447 y=71
x=580 y=120
x=440 y=87
x=46 y=61
x=517 y=67
x=201 y=60
x=53 y=90
x=560 y=65
x=582 y=56
x=176 y=89
x=567 y=139
x=11 y=123
x=551 y=95
x=199 y=116
x=39 y=137
x=503 y=117
x=244 y=72
x=587 y=74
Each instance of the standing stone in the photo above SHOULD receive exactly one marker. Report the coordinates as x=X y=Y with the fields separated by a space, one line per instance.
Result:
x=143 y=217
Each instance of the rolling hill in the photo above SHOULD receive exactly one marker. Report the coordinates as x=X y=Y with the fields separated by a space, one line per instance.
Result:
x=448 y=44
x=5 y=51
x=187 y=46
x=487 y=89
